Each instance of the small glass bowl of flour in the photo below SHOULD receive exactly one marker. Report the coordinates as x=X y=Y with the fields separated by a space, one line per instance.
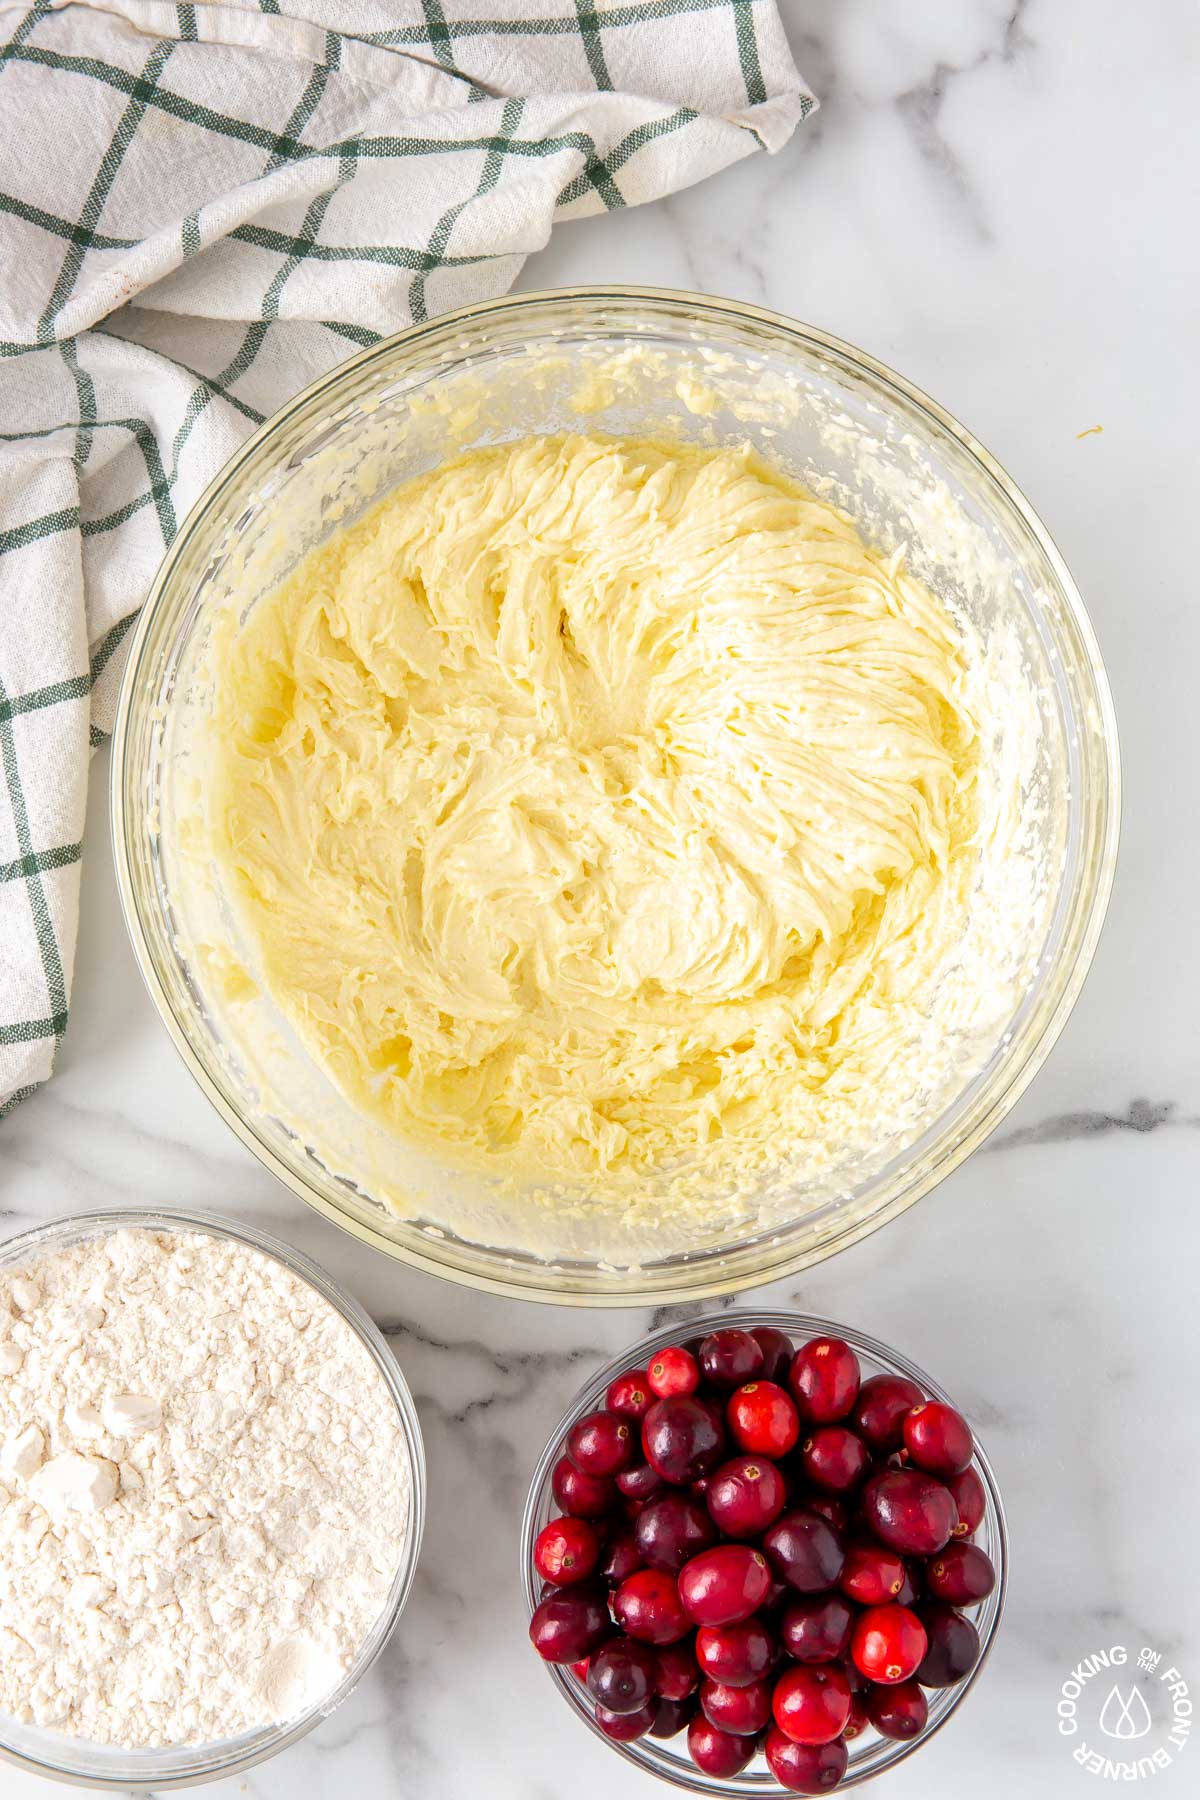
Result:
x=212 y=1490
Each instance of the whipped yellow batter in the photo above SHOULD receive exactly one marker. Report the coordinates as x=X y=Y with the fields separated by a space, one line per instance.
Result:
x=595 y=803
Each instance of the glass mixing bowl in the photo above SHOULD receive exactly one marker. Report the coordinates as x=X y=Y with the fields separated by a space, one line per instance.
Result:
x=80 y=1762
x=628 y=361
x=668 y=1758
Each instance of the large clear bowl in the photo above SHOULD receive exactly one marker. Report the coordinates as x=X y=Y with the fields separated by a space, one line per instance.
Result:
x=85 y=1764
x=623 y=361
x=668 y=1758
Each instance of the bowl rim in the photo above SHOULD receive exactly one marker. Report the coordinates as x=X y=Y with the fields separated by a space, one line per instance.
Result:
x=800 y=1327
x=707 y=1283
x=146 y=1769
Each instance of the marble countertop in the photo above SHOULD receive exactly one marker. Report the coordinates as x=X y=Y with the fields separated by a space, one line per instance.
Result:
x=999 y=201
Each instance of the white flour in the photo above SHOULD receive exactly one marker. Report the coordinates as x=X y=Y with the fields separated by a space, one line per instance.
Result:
x=203 y=1490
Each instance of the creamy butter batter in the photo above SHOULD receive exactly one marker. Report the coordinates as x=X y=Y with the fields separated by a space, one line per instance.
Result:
x=595 y=804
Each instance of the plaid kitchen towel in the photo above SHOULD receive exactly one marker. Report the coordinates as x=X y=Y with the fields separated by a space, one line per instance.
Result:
x=203 y=207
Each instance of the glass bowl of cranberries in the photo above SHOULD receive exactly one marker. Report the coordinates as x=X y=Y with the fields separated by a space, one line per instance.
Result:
x=767 y=1555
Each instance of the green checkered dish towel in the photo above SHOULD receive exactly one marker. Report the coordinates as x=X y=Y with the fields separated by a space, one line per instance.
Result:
x=204 y=207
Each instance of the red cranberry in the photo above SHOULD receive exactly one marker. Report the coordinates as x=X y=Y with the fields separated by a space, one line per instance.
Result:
x=728 y=1358
x=811 y=1705
x=647 y=1606
x=805 y=1551
x=859 y=1718
x=953 y=1645
x=670 y=1717
x=909 y=1511
x=600 y=1444
x=745 y=1495
x=678 y=1671
x=777 y=1349
x=630 y=1395
x=882 y=1403
x=640 y=1482
x=910 y=1587
x=763 y=1419
x=583 y=1496
x=824 y=1379
x=872 y=1574
x=961 y=1573
x=579 y=1669
x=735 y=1655
x=622 y=1674
x=742 y=1710
x=721 y=1586
x=835 y=1459
x=673 y=1371
x=570 y=1624
x=898 y=1712
x=836 y=1511
x=565 y=1551
x=681 y=1438
x=623 y=1728
x=673 y=1529
x=817 y=1628
x=621 y=1559
x=718 y=1752
x=804 y=1768
x=888 y=1643
x=968 y=1493
x=938 y=1438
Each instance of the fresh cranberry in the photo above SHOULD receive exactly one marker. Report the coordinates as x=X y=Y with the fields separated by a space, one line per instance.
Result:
x=673 y=1371
x=566 y=1551
x=779 y=1595
x=630 y=1395
x=647 y=1606
x=583 y=1496
x=817 y=1628
x=777 y=1349
x=600 y=1444
x=898 y=1712
x=678 y=1671
x=859 y=1718
x=670 y=1717
x=673 y=1529
x=882 y=1403
x=888 y=1643
x=805 y=1551
x=872 y=1574
x=721 y=1586
x=763 y=1419
x=745 y=1495
x=831 y=1508
x=718 y=1752
x=570 y=1624
x=742 y=1710
x=623 y=1728
x=811 y=1705
x=804 y=1768
x=910 y=1587
x=909 y=1511
x=622 y=1674
x=961 y=1573
x=938 y=1438
x=640 y=1481
x=620 y=1559
x=735 y=1655
x=835 y=1459
x=728 y=1358
x=953 y=1645
x=579 y=1669
x=824 y=1379
x=967 y=1492
x=682 y=1439
x=857 y=1680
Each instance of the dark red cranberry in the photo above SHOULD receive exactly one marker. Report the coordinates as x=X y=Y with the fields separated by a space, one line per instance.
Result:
x=742 y=1710
x=804 y=1768
x=673 y=1371
x=811 y=1705
x=968 y=1493
x=817 y=1628
x=623 y=1728
x=630 y=1395
x=763 y=1419
x=622 y=1674
x=961 y=1573
x=824 y=1379
x=938 y=1438
x=898 y=1712
x=888 y=1643
x=805 y=1551
x=673 y=1529
x=641 y=1481
x=953 y=1645
x=600 y=1444
x=728 y=1358
x=570 y=1624
x=858 y=1681
x=565 y=1551
x=745 y=1495
x=678 y=1671
x=682 y=1439
x=735 y=1655
x=583 y=1496
x=620 y=1559
x=909 y=1511
x=872 y=1574
x=911 y=1587
x=831 y=1508
x=878 y=1416
x=647 y=1606
x=670 y=1717
x=777 y=1349
x=779 y=1595
x=859 y=1718
x=721 y=1586
x=835 y=1459
x=718 y=1752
